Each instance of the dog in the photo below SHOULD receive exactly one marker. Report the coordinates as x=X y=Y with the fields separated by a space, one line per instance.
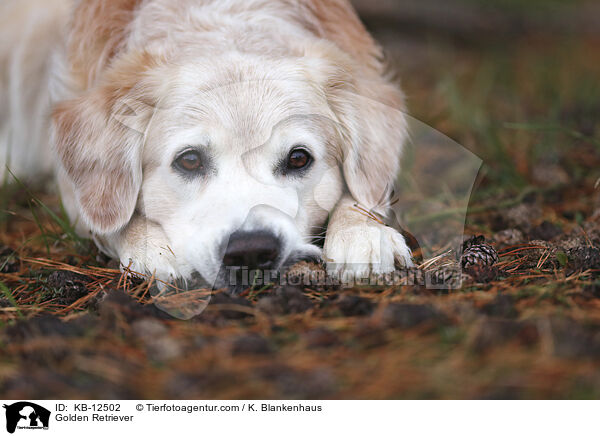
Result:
x=190 y=135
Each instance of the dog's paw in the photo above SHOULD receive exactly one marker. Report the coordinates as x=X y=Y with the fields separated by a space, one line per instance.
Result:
x=151 y=261
x=365 y=248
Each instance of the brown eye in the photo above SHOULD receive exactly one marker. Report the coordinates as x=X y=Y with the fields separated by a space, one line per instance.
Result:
x=190 y=161
x=299 y=159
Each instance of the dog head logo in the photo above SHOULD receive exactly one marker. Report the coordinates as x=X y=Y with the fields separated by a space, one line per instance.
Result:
x=25 y=415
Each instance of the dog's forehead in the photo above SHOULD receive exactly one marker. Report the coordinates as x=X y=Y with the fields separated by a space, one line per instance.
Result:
x=245 y=102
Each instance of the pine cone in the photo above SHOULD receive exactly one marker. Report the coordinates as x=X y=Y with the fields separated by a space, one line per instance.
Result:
x=476 y=252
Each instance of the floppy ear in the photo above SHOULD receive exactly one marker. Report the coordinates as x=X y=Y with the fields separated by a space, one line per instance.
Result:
x=101 y=156
x=373 y=129
x=97 y=139
x=374 y=132
x=367 y=106
x=369 y=114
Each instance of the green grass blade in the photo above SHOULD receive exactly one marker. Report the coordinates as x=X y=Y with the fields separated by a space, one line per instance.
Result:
x=6 y=292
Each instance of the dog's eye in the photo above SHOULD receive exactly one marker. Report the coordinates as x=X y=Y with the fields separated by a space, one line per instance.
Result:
x=298 y=159
x=190 y=161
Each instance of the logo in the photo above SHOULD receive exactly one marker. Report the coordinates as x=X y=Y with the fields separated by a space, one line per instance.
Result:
x=26 y=416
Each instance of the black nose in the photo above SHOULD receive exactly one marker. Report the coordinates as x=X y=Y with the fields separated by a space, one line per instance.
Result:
x=255 y=250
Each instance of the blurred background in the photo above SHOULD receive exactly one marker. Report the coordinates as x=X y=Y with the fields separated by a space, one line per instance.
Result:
x=515 y=81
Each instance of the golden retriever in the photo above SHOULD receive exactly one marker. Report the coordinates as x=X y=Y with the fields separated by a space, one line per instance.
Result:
x=188 y=135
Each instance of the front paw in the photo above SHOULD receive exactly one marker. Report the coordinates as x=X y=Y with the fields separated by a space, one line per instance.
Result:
x=365 y=248
x=150 y=261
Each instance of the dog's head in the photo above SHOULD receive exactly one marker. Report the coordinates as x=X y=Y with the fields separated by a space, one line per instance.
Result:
x=239 y=158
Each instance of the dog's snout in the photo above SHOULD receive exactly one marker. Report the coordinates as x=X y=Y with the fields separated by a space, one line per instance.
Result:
x=255 y=250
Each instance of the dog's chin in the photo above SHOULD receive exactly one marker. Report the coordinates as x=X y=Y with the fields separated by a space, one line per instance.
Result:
x=238 y=279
